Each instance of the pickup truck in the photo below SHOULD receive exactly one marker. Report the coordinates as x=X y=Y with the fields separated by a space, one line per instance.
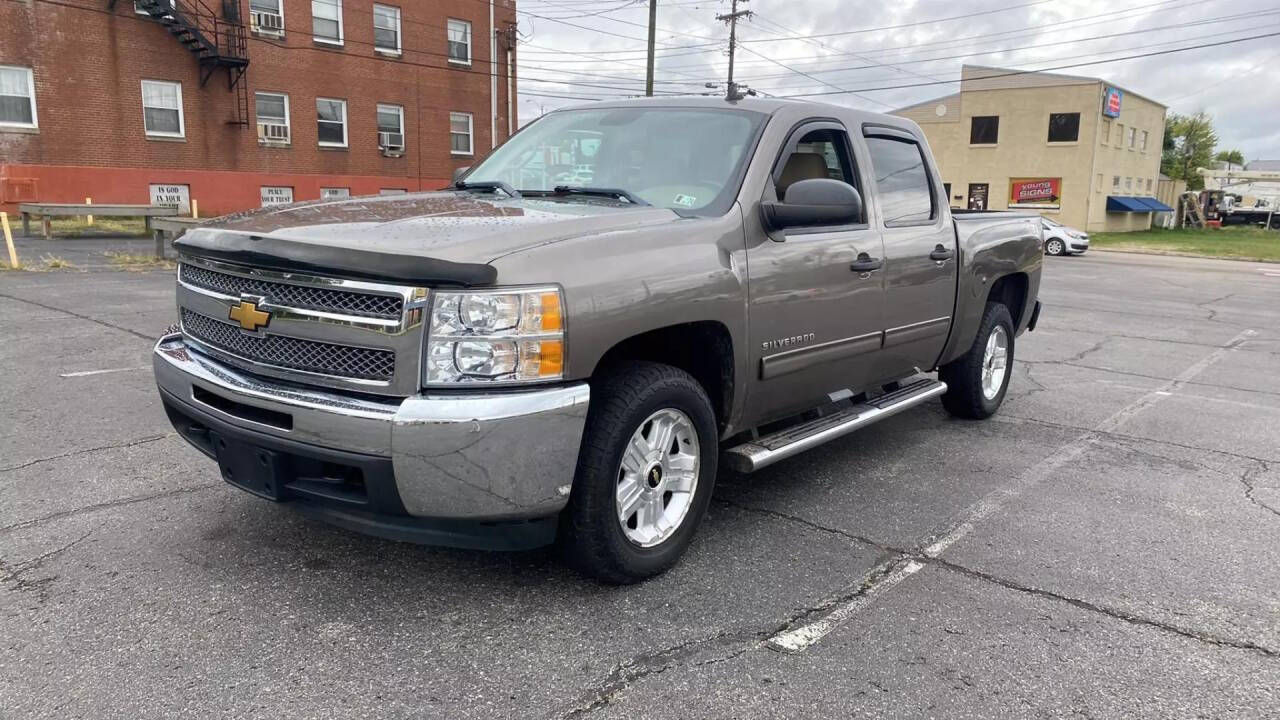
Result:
x=512 y=362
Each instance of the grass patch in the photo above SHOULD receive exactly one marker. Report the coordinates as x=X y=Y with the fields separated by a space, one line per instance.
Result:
x=69 y=226
x=53 y=262
x=1233 y=243
x=4 y=265
x=137 y=261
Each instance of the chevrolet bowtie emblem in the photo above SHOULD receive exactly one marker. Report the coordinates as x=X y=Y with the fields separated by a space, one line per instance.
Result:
x=249 y=316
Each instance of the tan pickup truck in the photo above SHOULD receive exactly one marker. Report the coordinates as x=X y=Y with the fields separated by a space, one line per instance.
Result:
x=517 y=361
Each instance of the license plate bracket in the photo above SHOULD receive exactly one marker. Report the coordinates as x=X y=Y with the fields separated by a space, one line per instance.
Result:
x=250 y=468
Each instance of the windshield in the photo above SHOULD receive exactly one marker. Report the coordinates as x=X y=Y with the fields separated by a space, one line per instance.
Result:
x=1049 y=223
x=677 y=158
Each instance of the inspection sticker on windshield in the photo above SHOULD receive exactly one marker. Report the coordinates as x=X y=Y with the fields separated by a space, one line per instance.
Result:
x=685 y=200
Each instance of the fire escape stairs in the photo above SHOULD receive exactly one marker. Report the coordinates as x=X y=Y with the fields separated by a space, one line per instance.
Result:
x=218 y=42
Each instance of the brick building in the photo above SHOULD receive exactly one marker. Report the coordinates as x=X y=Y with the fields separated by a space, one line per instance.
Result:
x=240 y=103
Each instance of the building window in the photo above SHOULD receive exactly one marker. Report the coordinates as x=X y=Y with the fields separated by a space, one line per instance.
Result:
x=162 y=109
x=984 y=130
x=390 y=128
x=331 y=122
x=143 y=11
x=272 y=110
x=334 y=193
x=392 y=191
x=1119 y=136
x=1115 y=182
x=1064 y=127
x=460 y=127
x=386 y=29
x=906 y=197
x=1128 y=184
x=266 y=17
x=1144 y=140
x=1148 y=186
x=326 y=21
x=1105 y=132
x=17 y=97
x=1133 y=137
x=460 y=42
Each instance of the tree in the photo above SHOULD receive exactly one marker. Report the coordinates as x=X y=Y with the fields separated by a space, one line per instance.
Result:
x=1235 y=157
x=1193 y=140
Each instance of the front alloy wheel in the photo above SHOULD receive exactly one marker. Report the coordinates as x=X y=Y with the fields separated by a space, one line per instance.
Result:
x=1054 y=246
x=645 y=473
x=657 y=477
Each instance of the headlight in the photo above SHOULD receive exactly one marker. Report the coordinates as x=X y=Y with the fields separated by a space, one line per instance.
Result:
x=499 y=336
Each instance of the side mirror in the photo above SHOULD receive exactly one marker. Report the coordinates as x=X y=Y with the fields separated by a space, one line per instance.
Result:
x=457 y=174
x=820 y=201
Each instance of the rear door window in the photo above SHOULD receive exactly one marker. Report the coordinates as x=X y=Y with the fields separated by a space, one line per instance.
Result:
x=902 y=181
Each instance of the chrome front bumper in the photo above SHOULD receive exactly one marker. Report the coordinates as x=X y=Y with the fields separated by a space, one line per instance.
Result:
x=467 y=456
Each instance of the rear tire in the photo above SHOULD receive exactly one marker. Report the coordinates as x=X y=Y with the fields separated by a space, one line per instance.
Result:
x=977 y=381
x=631 y=407
x=1055 y=246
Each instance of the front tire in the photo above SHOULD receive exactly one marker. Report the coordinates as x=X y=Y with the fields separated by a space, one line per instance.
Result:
x=977 y=381
x=1055 y=246
x=645 y=474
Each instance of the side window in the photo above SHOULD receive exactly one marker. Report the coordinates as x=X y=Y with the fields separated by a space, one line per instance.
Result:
x=902 y=181
x=820 y=153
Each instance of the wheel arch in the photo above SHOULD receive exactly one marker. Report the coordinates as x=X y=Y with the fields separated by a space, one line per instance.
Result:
x=704 y=349
x=1011 y=291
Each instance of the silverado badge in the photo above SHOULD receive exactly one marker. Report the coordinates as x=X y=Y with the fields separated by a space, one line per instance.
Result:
x=249 y=316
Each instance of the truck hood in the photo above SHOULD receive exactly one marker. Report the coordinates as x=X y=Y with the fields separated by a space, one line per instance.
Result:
x=424 y=237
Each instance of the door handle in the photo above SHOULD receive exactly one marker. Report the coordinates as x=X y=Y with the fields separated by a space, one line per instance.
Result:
x=866 y=263
x=941 y=253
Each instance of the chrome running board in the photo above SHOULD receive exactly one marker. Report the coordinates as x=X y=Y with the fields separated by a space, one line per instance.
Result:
x=769 y=449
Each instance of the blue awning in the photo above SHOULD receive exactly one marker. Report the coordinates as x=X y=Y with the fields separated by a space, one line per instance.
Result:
x=1134 y=203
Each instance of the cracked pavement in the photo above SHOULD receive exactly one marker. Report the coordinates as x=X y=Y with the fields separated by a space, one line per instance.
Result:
x=1107 y=546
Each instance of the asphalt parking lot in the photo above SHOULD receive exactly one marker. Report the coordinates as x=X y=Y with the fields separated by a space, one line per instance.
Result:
x=1107 y=546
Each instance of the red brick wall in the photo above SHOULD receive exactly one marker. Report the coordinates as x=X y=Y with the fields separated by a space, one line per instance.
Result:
x=89 y=63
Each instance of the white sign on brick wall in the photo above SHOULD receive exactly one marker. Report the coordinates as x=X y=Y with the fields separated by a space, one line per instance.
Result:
x=178 y=196
x=275 y=195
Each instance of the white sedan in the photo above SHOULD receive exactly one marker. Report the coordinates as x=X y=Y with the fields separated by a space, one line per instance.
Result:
x=1063 y=240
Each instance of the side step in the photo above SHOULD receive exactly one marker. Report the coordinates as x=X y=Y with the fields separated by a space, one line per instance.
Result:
x=769 y=449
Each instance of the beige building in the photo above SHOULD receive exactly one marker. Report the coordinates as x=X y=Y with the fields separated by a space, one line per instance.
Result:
x=1079 y=150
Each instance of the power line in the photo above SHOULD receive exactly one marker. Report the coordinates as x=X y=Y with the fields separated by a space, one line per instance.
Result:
x=1047 y=69
x=961 y=41
x=1195 y=23
x=917 y=23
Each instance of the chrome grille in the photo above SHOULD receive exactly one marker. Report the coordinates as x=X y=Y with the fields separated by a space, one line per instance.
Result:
x=288 y=352
x=299 y=296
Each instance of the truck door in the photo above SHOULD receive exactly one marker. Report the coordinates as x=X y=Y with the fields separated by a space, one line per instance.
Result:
x=815 y=292
x=920 y=254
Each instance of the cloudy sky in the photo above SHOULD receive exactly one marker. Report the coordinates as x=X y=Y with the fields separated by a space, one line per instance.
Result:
x=595 y=49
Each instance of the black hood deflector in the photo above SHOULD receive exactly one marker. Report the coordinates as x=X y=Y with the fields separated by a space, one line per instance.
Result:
x=273 y=253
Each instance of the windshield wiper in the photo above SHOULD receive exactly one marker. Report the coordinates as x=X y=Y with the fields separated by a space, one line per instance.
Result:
x=601 y=192
x=488 y=185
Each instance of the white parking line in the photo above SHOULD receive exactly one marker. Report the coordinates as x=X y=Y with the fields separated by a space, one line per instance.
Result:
x=798 y=639
x=86 y=373
x=802 y=637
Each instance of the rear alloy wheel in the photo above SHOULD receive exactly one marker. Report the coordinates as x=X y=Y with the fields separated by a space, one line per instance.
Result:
x=977 y=381
x=1054 y=246
x=645 y=473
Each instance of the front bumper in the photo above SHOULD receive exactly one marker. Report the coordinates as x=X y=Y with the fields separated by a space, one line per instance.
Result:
x=469 y=469
x=1077 y=245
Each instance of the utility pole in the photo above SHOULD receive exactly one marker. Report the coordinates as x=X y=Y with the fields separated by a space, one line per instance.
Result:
x=653 y=27
x=732 y=19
